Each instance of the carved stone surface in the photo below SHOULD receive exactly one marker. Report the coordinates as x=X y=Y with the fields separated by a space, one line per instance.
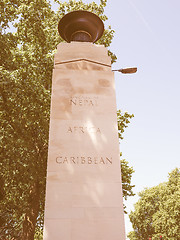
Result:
x=83 y=192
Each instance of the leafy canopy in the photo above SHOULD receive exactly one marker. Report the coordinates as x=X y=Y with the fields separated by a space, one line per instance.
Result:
x=157 y=212
x=26 y=63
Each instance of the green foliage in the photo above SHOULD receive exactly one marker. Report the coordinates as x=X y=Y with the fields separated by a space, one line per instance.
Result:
x=126 y=179
x=123 y=121
x=158 y=211
x=126 y=174
x=26 y=63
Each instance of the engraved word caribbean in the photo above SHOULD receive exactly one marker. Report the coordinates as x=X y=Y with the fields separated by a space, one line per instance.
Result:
x=84 y=160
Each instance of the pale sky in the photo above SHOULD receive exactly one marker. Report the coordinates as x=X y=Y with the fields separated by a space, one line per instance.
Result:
x=147 y=35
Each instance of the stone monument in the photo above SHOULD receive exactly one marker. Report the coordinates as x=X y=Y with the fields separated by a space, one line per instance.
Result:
x=84 y=190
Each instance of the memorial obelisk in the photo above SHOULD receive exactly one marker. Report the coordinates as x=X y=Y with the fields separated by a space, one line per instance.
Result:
x=84 y=190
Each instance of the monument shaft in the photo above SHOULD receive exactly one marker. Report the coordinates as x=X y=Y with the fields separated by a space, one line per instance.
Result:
x=84 y=190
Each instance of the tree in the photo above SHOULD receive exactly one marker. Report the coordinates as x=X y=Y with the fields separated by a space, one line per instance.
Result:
x=123 y=120
x=26 y=64
x=157 y=212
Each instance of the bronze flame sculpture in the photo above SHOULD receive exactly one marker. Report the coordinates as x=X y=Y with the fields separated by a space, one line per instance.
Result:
x=81 y=26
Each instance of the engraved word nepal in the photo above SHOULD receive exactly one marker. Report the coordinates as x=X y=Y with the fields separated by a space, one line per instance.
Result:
x=84 y=101
x=84 y=160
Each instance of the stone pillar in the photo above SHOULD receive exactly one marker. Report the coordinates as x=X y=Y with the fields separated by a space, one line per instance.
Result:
x=84 y=190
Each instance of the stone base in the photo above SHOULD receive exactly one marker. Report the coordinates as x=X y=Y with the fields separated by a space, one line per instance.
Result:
x=84 y=192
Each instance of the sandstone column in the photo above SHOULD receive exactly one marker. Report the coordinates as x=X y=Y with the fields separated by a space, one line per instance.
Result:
x=84 y=190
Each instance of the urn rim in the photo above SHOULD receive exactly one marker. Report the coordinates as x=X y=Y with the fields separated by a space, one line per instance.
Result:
x=82 y=26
